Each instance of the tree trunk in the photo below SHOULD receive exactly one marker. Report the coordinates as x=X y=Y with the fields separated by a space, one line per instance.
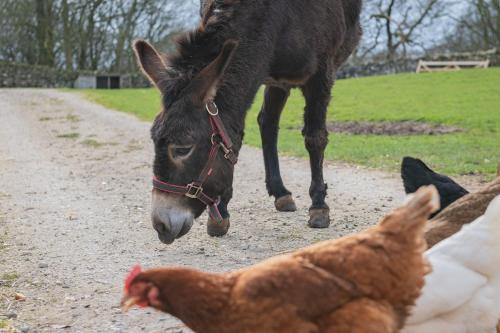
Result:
x=123 y=35
x=391 y=50
x=67 y=40
x=45 y=32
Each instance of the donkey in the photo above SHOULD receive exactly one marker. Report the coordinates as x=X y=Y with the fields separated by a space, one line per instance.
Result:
x=208 y=85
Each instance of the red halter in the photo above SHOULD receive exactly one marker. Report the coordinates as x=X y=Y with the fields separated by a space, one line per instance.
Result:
x=220 y=140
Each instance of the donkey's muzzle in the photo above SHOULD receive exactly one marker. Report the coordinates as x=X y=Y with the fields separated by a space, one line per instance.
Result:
x=171 y=224
x=170 y=221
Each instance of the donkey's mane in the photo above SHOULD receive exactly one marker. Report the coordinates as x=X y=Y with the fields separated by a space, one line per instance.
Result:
x=197 y=48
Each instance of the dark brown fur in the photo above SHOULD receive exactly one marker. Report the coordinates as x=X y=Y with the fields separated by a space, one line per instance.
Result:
x=282 y=43
x=361 y=283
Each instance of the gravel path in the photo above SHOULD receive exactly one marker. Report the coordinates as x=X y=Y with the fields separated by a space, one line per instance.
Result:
x=74 y=214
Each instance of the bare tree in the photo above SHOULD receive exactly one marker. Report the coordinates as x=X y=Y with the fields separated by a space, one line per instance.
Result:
x=45 y=32
x=477 y=28
x=483 y=22
x=398 y=23
x=18 y=31
x=90 y=34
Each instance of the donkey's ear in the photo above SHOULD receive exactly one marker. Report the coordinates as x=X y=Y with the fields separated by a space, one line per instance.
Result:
x=203 y=87
x=151 y=62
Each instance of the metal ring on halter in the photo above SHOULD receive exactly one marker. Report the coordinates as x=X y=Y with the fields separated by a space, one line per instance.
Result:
x=212 y=139
x=210 y=111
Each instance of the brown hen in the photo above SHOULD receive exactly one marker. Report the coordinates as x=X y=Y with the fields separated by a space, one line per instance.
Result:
x=463 y=211
x=361 y=283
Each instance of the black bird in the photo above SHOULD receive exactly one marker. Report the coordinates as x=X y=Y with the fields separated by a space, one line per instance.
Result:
x=416 y=174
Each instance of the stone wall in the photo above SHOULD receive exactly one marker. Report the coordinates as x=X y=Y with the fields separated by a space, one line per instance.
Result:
x=135 y=80
x=29 y=76
x=14 y=75
x=20 y=75
x=377 y=68
x=410 y=65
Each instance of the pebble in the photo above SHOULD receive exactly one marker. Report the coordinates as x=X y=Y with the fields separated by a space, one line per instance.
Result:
x=43 y=265
x=11 y=315
x=58 y=326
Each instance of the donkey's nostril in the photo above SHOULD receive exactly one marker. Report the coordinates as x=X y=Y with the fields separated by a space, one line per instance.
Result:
x=161 y=220
x=171 y=223
x=160 y=227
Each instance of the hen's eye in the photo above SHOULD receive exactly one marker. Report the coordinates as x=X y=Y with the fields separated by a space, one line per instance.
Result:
x=179 y=152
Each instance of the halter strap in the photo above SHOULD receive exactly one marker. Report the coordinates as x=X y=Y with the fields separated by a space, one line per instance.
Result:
x=220 y=140
x=218 y=129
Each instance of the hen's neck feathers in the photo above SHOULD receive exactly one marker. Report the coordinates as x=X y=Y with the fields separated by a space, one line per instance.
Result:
x=197 y=298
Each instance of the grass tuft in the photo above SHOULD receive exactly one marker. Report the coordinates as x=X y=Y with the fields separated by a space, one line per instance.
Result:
x=96 y=144
x=73 y=118
x=72 y=135
x=10 y=276
x=92 y=143
x=8 y=279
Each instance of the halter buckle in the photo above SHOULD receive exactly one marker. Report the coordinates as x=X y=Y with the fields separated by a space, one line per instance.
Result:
x=228 y=153
x=193 y=191
x=226 y=150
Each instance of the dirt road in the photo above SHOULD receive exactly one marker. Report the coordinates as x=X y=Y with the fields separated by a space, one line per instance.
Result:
x=74 y=214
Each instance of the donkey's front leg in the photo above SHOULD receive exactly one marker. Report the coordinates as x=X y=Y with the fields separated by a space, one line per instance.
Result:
x=219 y=229
x=317 y=93
x=319 y=212
x=269 y=118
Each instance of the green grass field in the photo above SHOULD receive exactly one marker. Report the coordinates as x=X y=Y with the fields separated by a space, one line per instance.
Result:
x=468 y=99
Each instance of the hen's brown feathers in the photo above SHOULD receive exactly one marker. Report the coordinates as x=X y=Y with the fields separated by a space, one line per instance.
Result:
x=371 y=278
x=463 y=211
x=362 y=316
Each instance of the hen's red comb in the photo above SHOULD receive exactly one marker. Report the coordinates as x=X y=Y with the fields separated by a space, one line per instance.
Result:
x=136 y=270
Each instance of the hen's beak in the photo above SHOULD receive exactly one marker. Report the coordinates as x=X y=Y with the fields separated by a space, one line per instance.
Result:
x=128 y=302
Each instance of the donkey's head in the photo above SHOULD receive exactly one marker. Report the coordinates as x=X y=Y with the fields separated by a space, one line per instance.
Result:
x=182 y=135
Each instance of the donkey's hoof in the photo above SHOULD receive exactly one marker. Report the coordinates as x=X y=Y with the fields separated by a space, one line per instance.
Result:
x=285 y=204
x=216 y=229
x=319 y=218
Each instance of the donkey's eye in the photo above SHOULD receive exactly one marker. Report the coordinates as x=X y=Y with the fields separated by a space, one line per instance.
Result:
x=180 y=152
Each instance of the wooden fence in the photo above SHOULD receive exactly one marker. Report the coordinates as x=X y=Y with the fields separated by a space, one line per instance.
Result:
x=441 y=66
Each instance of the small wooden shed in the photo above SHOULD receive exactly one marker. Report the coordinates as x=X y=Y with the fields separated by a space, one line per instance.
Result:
x=98 y=81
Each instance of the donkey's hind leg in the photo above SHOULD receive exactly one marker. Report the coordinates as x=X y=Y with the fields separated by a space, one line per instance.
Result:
x=317 y=93
x=269 y=117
